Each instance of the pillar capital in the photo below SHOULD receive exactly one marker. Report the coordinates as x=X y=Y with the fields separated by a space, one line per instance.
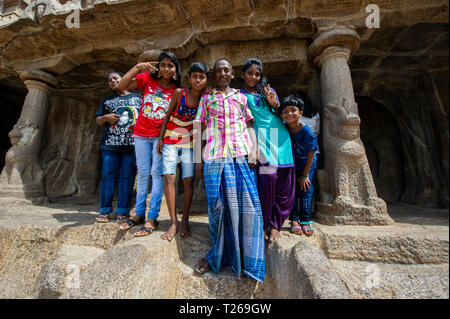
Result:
x=337 y=42
x=38 y=79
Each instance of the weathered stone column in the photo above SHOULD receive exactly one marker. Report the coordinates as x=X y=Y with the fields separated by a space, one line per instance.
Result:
x=347 y=190
x=23 y=177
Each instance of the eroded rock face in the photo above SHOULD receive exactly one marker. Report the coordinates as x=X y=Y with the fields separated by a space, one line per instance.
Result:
x=423 y=128
x=381 y=137
x=70 y=155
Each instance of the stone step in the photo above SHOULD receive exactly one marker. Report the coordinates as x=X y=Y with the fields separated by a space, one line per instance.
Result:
x=400 y=281
x=403 y=243
x=224 y=284
x=59 y=244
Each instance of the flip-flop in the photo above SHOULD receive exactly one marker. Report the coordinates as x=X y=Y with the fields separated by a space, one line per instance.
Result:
x=148 y=230
x=297 y=230
x=103 y=218
x=308 y=228
x=131 y=222
x=204 y=265
x=122 y=219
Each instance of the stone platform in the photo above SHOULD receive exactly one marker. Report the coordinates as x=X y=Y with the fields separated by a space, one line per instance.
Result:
x=56 y=250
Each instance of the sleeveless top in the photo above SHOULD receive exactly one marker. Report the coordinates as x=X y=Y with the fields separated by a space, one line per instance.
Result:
x=180 y=126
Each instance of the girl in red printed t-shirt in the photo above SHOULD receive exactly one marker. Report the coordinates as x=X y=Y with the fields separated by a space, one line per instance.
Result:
x=158 y=88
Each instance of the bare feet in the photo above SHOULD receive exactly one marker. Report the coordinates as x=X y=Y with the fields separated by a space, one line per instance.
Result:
x=202 y=266
x=274 y=234
x=185 y=231
x=170 y=234
x=266 y=233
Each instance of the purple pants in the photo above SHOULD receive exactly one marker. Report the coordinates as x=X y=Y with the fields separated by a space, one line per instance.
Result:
x=276 y=188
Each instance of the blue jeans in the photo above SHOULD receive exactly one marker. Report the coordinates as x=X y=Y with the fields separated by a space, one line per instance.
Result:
x=148 y=161
x=304 y=197
x=117 y=164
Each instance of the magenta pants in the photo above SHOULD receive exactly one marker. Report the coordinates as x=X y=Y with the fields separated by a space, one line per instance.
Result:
x=276 y=188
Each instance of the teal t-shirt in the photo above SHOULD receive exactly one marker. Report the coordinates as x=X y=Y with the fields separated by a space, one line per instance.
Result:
x=274 y=140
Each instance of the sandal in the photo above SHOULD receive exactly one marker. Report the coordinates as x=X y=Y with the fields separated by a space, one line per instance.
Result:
x=202 y=266
x=296 y=229
x=307 y=229
x=131 y=222
x=122 y=218
x=148 y=230
x=104 y=218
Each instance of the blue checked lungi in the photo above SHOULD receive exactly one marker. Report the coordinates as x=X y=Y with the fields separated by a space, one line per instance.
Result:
x=235 y=217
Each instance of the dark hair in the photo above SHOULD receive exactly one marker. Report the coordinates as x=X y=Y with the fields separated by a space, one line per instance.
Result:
x=309 y=109
x=172 y=57
x=114 y=72
x=199 y=67
x=262 y=80
x=221 y=59
x=291 y=100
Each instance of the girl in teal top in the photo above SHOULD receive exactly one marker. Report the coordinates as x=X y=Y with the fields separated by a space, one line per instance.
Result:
x=276 y=170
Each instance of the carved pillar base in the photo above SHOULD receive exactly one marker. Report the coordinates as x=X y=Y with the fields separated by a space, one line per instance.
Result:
x=347 y=191
x=22 y=177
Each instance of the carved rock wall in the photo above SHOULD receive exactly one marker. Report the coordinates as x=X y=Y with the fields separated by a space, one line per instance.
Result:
x=402 y=68
x=422 y=119
x=70 y=156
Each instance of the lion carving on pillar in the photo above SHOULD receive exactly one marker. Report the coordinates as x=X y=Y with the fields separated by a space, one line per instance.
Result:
x=347 y=190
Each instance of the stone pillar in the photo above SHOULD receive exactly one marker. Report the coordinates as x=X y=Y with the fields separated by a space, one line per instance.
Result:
x=22 y=177
x=347 y=190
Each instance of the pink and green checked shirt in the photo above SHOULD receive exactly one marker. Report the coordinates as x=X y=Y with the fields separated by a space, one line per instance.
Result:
x=225 y=117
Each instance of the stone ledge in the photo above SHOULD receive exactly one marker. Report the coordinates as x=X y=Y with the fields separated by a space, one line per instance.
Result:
x=379 y=280
x=42 y=241
x=399 y=243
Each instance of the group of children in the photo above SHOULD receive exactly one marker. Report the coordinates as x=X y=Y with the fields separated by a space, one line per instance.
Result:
x=258 y=158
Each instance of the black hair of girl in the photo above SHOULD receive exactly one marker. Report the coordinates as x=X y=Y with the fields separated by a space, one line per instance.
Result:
x=172 y=57
x=309 y=110
x=199 y=67
x=291 y=100
x=262 y=80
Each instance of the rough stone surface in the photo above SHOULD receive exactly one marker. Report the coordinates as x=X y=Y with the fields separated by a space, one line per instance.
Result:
x=64 y=254
x=416 y=239
x=63 y=271
x=298 y=277
x=367 y=280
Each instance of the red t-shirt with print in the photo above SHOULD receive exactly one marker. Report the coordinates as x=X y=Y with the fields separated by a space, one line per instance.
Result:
x=155 y=104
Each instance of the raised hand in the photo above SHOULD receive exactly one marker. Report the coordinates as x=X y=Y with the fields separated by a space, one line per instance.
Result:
x=271 y=96
x=147 y=66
